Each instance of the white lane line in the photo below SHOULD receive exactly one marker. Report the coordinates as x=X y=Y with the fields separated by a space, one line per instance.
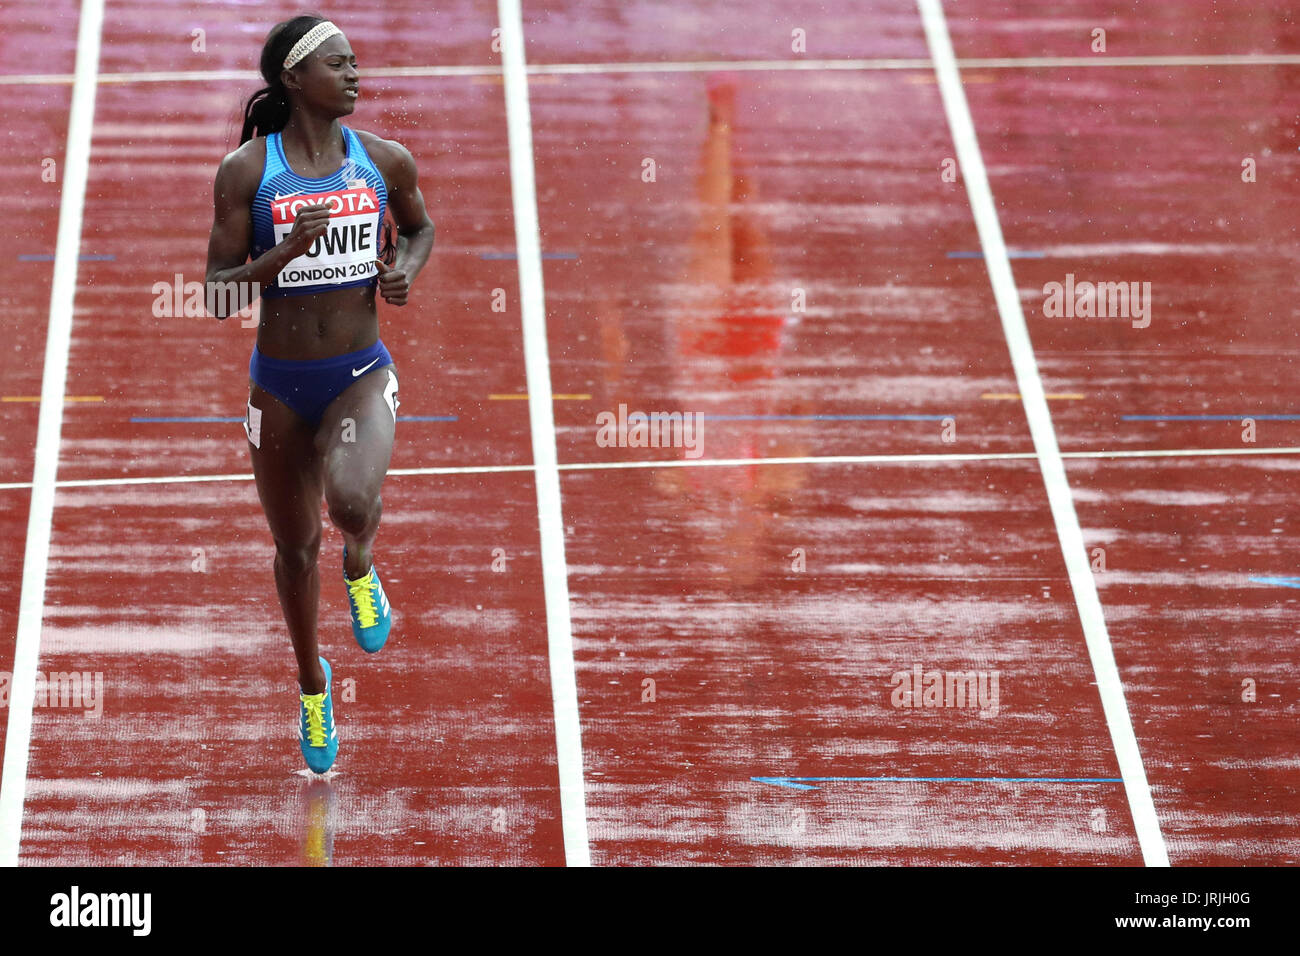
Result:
x=927 y=459
x=559 y=630
x=696 y=66
x=1145 y=821
x=31 y=606
x=1180 y=452
x=701 y=463
x=1102 y=59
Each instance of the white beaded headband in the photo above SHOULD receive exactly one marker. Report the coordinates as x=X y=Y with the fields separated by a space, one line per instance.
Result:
x=310 y=41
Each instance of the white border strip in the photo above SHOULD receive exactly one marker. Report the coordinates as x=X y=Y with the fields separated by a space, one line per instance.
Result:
x=920 y=459
x=1068 y=531
x=559 y=631
x=58 y=337
x=696 y=66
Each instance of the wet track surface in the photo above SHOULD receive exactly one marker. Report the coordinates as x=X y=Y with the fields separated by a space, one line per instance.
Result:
x=797 y=279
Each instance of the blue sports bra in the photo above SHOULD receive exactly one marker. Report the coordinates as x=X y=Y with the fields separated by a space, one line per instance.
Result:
x=345 y=255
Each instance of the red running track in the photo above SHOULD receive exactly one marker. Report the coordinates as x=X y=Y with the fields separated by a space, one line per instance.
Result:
x=730 y=621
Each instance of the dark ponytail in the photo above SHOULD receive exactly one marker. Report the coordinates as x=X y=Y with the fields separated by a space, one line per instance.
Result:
x=267 y=110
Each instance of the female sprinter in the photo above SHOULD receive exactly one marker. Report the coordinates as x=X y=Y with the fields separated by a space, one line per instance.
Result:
x=304 y=199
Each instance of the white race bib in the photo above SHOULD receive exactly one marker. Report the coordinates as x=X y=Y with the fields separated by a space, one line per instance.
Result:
x=347 y=250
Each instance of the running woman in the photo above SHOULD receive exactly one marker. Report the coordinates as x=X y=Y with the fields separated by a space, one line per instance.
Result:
x=304 y=198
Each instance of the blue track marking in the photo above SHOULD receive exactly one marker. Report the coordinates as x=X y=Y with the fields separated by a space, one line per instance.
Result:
x=806 y=783
x=215 y=418
x=1281 y=582
x=1210 y=418
x=825 y=418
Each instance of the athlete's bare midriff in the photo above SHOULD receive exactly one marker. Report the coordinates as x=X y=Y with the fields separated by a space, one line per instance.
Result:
x=320 y=325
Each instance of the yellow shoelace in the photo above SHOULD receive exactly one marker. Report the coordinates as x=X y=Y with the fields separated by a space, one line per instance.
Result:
x=364 y=598
x=315 y=705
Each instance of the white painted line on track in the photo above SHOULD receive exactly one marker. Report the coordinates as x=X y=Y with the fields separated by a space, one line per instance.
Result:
x=45 y=468
x=704 y=463
x=1103 y=60
x=1109 y=685
x=696 y=66
x=555 y=580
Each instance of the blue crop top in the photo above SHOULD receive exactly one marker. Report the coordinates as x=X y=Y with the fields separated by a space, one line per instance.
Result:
x=345 y=255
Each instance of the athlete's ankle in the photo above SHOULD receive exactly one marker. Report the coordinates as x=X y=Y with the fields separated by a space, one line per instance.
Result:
x=312 y=683
x=356 y=565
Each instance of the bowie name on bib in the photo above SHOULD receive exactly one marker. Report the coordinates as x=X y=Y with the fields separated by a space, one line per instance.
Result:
x=347 y=250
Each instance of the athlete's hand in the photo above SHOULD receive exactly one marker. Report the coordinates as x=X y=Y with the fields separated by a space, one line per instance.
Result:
x=393 y=284
x=308 y=226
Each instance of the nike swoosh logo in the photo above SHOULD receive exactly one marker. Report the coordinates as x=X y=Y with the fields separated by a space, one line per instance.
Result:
x=278 y=197
x=358 y=371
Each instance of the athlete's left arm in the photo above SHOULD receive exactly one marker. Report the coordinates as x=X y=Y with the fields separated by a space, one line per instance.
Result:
x=414 y=227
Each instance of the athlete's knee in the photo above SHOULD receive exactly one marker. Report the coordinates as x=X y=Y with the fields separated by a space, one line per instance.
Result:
x=297 y=557
x=352 y=508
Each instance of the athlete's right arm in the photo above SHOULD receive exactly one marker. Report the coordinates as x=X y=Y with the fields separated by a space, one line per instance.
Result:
x=232 y=236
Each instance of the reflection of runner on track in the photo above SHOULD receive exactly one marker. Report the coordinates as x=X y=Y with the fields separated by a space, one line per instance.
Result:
x=305 y=197
x=732 y=340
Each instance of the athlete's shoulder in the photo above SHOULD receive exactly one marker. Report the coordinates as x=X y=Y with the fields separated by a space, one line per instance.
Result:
x=386 y=152
x=252 y=153
x=241 y=168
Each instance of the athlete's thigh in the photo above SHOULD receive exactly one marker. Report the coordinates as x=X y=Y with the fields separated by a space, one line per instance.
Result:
x=355 y=436
x=286 y=467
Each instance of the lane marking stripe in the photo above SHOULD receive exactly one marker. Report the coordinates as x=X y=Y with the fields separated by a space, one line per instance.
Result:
x=1073 y=549
x=1278 y=581
x=703 y=463
x=559 y=632
x=826 y=418
x=31 y=608
x=1210 y=418
x=695 y=66
x=807 y=783
x=66 y=398
x=192 y=419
